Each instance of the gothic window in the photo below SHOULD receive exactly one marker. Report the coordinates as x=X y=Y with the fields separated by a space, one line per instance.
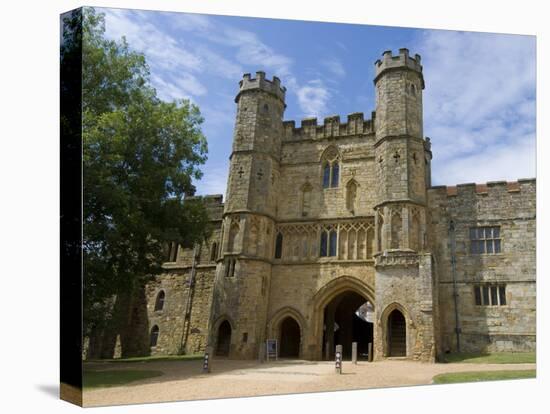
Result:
x=328 y=243
x=326 y=176
x=490 y=295
x=485 y=240
x=351 y=195
x=230 y=267
x=171 y=251
x=332 y=243
x=331 y=167
x=335 y=174
x=279 y=246
x=154 y=336
x=324 y=244
x=214 y=252
x=159 y=303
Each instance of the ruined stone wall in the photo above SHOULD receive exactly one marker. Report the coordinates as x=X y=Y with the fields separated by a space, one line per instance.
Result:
x=511 y=206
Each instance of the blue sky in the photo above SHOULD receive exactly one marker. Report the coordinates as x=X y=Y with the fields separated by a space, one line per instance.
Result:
x=479 y=101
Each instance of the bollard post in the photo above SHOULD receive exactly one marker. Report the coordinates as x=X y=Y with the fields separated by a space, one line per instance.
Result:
x=369 y=350
x=338 y=359
x=354 y=353
x=206 y=360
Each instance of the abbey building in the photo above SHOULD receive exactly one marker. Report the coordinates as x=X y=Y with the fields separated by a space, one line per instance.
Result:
x=332 y=233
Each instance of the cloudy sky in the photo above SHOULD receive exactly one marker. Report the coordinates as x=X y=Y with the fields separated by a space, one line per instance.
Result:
x=479 y=101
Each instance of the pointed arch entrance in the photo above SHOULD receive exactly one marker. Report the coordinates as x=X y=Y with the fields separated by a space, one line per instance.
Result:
x=397 y=334
x=290 y=338
x=341 y=319
x=224 y=339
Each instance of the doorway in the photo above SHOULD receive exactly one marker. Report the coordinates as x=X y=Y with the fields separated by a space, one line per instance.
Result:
x=397 y=334
x=290 y=338
x=224 y=339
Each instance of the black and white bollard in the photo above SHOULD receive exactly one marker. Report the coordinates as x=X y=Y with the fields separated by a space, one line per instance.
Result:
x=338 y=359
x=206 y=360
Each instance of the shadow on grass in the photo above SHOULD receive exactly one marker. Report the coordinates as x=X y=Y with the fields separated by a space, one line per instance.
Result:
x=458 y=377
x=494 y=358
x=193 y=357
x=112 y=378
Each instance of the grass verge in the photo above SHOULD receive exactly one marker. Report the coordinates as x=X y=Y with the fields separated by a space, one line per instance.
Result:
x=153 y=358
x=456 y=377
x=494 y=358
x=112 y=378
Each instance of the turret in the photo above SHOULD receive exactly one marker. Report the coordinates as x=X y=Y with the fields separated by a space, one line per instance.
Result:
x=244 y=273
x=399 y=83
x=402 y=154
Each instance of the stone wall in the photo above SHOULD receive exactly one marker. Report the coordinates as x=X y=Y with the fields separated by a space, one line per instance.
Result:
x=510 y=206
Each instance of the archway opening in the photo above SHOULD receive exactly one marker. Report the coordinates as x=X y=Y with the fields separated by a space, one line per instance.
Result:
x=224 y=339
x=397 y=334
x=347 y=319
x=290 y=338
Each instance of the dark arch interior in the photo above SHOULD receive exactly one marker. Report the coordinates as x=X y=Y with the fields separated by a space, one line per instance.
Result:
x=290 y=338
x=397 y=334
x=347 y=327
x=224 y=339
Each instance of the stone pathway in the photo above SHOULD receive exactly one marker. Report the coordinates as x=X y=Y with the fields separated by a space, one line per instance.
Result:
x=183 y=380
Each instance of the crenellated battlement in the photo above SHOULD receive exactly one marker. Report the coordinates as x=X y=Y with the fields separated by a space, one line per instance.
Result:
x=400 y=61
x=486 y=189
x=260 y=82
x=332 y=127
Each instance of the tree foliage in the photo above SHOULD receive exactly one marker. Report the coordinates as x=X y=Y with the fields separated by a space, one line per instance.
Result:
x=140 y=155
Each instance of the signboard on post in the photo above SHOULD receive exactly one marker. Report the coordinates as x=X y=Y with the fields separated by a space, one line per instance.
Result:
x=338 y=359
x=271 y=349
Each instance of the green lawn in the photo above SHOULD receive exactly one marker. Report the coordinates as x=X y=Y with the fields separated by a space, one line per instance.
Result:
x=456 y=377
x=112 y=378
x=153 y=358
x=495 y=358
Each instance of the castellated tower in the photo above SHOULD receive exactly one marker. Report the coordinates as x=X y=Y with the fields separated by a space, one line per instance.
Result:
x=238 y=318
x=404 y=281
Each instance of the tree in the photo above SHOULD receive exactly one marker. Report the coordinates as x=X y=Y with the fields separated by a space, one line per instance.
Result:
x=140 y=155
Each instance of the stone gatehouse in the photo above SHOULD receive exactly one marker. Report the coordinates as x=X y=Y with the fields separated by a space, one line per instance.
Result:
x=333 y=233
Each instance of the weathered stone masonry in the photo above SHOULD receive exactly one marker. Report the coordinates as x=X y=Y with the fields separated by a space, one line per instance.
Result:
x=319 y=219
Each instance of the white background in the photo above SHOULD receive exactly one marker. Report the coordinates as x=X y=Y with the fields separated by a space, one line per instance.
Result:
x=29 y=224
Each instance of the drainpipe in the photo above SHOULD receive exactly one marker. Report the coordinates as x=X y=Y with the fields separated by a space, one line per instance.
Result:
x=455 y=289
x=187 y=311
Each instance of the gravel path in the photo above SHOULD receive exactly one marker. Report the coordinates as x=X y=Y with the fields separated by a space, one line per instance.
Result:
x=183 y=380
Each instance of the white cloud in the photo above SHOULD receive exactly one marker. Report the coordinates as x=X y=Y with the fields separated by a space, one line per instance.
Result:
x=334 y=66
x=313 y=98
x=479 y=104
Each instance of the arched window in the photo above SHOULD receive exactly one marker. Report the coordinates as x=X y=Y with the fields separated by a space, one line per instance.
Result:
x=326 y=176
x=154 y=336
x=159 y=303
x=335 y=174
x=279 y=246
x=332 y=243
x=214 y=252
x=331 y=167
x=324 y=244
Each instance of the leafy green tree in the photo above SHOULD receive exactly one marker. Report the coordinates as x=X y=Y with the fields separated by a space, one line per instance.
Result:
x=140 y=155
